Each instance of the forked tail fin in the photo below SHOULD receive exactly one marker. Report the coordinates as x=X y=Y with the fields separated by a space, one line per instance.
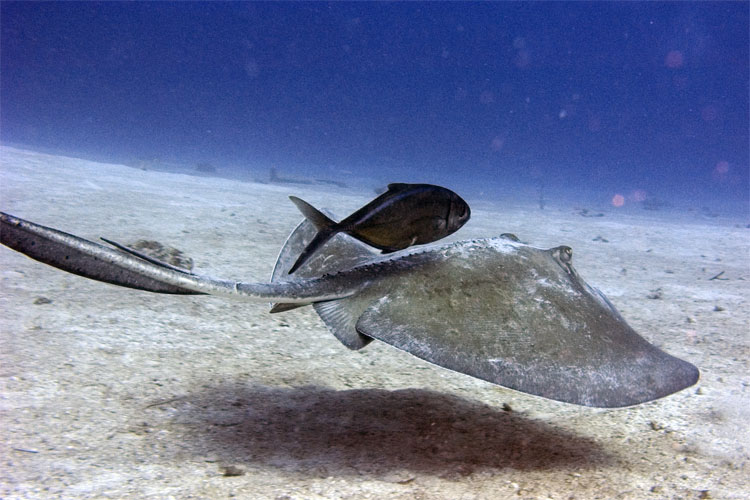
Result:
x=318 y=219
x=325 y=226
x=339 y=254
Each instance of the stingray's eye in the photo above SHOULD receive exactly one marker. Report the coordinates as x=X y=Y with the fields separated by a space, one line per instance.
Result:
x=566 y=254
x=563 y=254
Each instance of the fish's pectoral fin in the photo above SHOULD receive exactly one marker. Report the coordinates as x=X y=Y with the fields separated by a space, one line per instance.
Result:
x=411 y=242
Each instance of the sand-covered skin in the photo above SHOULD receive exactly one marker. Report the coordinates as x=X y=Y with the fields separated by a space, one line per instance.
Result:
x=114 y=393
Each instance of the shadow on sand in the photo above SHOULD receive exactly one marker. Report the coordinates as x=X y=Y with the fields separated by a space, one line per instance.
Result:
x=323 y=432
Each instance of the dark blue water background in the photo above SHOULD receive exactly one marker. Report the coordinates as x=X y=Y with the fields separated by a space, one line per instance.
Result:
x=643 y=100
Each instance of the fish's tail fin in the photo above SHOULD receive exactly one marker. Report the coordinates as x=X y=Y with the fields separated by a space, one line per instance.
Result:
x=318 y=241
x=318 y=219
x=341 y=253
x=325 y=226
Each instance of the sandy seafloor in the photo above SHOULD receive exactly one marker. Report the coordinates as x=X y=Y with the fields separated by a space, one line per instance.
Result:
x=113 y=393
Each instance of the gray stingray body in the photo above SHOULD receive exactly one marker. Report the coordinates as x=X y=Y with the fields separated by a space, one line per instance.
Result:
x=495 y=308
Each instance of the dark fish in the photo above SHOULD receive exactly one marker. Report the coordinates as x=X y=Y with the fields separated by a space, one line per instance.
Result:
x=405 y=215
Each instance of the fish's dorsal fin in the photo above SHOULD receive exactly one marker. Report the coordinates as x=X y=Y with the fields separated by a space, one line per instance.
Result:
x=399 y=186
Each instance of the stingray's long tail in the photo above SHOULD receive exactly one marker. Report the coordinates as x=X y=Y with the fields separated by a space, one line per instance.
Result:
x=126 y=268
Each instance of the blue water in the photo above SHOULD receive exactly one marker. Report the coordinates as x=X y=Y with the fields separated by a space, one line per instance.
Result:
x=645 y=101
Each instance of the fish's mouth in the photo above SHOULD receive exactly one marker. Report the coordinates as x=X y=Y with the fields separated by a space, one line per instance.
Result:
x=458 y=213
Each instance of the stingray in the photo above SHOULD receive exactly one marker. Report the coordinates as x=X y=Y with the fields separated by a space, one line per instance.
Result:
x=495 y=308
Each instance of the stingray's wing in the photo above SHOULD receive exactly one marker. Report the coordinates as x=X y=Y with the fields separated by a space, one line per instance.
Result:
x=524 y=325
x=98 y=262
